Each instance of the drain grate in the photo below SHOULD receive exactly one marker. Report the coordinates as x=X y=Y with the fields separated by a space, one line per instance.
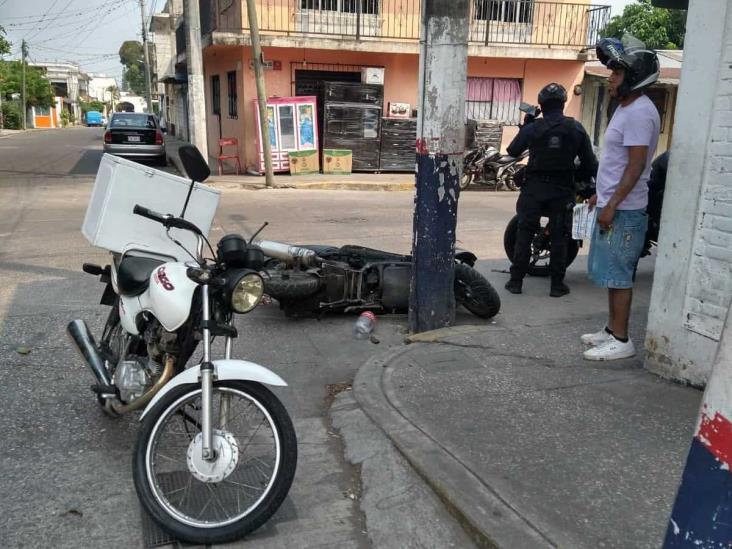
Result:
x=154 y=536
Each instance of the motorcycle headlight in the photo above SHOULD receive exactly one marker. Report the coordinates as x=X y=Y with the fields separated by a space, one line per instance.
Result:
x=247 y=293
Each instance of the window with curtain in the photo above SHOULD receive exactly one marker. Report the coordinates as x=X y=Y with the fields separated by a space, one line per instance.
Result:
x=231 y=84
x=493 y=99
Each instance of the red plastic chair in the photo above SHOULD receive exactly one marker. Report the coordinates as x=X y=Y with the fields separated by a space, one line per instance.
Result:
x=228 y=142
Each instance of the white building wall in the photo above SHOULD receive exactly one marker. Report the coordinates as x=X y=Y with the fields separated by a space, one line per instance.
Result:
x=693 y=279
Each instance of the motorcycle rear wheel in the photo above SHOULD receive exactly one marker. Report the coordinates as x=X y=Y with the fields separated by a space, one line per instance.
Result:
x=535 y=269
x=214 y=502
x=475 y=293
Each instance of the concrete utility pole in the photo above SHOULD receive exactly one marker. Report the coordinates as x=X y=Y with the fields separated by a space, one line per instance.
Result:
x=261 y=92
x=196 y=96
x=443 y=61
x=702 y=513
x=145 y=49
x=24 y=95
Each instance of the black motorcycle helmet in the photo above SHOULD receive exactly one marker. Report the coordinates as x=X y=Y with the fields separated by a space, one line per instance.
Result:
x=552 y=96
x=640 y=65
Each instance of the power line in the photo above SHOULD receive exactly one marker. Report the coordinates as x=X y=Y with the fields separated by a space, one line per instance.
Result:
x=44 y=17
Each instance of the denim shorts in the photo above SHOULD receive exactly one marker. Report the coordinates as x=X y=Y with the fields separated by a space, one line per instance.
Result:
x=614 y=253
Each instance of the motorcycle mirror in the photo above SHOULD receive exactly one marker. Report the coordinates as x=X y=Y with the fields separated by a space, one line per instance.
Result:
x=193 y=163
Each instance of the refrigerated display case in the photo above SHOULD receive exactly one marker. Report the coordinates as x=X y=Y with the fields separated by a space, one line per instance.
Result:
x=292 y=127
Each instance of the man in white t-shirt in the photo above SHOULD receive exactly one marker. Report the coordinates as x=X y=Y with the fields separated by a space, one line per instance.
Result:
x=622 y=191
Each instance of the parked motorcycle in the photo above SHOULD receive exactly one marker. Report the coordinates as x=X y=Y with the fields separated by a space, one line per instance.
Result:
x=541 y=243
x=318 y=279
x=487 y=166
x=216 y=452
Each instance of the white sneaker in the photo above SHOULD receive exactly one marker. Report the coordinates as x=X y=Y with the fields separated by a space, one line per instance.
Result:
x=598 y=338
x=612 y=349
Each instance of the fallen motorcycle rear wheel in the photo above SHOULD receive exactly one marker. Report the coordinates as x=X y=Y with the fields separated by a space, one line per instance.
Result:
x=475 y=293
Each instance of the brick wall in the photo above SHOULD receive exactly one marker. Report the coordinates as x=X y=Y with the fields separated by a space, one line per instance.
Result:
x=692 y=283
x=709 y=289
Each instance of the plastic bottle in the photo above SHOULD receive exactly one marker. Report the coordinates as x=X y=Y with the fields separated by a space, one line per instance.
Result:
x=364 y=325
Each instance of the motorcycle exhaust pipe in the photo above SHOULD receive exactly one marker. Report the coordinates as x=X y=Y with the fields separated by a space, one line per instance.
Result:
x=81 y=337
x=287 y=253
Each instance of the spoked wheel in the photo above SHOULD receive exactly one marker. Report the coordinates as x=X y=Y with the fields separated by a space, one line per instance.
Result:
x=214 y=501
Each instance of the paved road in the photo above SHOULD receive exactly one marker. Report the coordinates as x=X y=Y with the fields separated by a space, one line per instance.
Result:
x=66 y=468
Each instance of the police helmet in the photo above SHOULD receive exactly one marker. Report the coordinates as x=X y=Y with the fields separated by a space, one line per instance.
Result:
x=552 y=94
x=640 y=65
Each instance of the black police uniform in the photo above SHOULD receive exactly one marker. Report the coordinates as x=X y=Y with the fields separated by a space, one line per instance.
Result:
x=554 y=141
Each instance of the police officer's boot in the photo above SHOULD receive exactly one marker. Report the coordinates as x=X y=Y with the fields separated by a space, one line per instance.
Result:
x=559 y=288
x=514 y=285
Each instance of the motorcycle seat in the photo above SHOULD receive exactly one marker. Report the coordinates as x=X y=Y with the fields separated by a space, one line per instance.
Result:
x=133 y=274
x=505 y=159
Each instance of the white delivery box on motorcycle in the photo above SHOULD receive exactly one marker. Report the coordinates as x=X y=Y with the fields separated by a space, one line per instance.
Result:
x=120 y=184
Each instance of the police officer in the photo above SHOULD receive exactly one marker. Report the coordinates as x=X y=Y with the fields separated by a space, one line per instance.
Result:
x=554 y=141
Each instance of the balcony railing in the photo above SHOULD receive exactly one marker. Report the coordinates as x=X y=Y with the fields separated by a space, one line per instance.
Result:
x=527 y=22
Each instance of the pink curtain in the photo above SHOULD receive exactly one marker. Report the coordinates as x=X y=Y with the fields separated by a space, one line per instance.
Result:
x=494 y=98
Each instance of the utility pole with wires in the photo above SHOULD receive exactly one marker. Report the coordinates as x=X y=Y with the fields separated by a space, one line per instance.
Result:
x=148 y=84
x=24 y=95
x=443 y=57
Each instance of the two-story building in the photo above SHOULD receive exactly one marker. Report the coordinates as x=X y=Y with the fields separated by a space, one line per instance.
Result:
x=65 y=81
x=515 y=48
x=169 y=71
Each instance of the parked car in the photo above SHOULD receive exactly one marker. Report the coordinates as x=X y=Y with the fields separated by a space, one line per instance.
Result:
x=94 y=118
x=135 y=135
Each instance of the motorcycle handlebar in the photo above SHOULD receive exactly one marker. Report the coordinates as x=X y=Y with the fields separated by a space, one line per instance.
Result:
x=167 y=220
x=150 y=214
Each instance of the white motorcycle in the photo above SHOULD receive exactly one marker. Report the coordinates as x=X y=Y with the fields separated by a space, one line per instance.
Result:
x=217 y=452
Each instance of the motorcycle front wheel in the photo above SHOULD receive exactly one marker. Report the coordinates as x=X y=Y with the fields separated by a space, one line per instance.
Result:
x=214 y=501
x=465 y=180
x=475 y=293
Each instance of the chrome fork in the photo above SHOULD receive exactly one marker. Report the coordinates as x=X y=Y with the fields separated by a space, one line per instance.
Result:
x=207 y=374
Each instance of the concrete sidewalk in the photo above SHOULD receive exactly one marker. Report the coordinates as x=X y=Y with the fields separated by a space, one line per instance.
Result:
x=527 y=444
x=353 y=182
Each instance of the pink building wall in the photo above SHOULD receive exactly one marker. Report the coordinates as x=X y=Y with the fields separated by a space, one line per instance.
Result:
x=401 y=78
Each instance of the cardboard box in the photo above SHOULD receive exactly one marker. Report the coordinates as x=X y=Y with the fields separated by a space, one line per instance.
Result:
x=372 y=75
x=302 y=162
x=120 y=185
x=337 y=161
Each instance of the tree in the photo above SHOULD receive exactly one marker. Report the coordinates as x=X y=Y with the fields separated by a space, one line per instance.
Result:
x=135 y=79
x=131 y=55
x=93 y=105
x=39 y=92
x=658 y=28
x=4 y=44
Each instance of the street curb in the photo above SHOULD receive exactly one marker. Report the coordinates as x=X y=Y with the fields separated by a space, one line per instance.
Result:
x=488 y=519
x=318 y=186
x=435 y=336
x=24 y=132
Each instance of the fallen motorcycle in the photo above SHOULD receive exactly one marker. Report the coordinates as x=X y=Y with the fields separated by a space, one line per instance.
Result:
x=216 y=452
x=318 y=279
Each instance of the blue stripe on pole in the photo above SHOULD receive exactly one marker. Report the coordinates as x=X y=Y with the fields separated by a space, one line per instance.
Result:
x=432 y=299
x=702 y=514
